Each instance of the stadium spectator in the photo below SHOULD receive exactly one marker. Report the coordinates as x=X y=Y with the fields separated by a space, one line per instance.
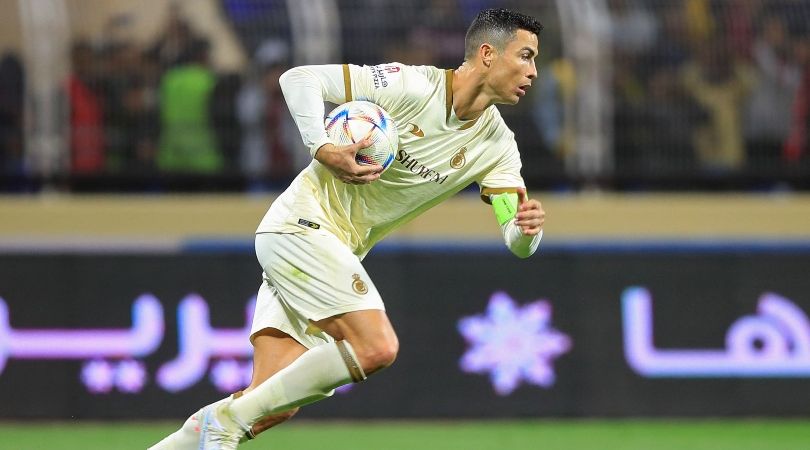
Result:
x=140 y=126
x=187 y=141
x=87 y=139
x=225 y=118
x=633 y=27
x=176 y=42
x=721 y=86
x=797 y=147
x=283 y=144
x=699 y=20
x=126 y=96
x=553 y=107
x=272 y=152
x=738 y=19
x=251 y=111
x=12 y=91
x=665 y=124
x=671 y=48
x=769 y=111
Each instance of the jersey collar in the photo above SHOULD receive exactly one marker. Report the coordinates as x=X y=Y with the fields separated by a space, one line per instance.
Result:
x=450 y=115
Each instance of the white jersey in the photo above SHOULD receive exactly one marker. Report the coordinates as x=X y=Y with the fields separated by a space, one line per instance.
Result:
x=438 y=155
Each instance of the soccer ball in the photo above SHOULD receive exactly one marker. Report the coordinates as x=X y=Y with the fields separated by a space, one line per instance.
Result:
x=353 y=121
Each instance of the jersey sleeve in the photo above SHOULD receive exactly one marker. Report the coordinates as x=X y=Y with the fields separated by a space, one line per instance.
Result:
x=305 y=89
x=394 y=86
x=505 y=175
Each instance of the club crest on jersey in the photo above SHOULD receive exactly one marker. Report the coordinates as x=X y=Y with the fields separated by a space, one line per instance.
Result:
x=458 y=160
x=359 y=285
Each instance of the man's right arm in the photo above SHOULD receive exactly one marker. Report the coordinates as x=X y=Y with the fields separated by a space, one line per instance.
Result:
x=305 y=89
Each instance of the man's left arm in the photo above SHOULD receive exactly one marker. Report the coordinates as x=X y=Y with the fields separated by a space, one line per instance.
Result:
x=521 y=220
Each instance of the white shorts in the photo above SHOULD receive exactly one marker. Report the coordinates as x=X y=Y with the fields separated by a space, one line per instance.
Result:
x=308 y=276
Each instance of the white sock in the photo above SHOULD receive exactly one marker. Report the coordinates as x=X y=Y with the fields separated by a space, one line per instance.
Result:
x=188 y=436
x=311 y=377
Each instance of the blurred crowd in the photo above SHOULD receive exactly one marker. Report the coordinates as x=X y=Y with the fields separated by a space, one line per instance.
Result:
x=699 y=86
x=143 y=112
x=714 y=86
x=163 y=109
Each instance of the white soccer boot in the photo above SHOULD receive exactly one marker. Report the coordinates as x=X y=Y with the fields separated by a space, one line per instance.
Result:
x=219 y=430
x=188 y=436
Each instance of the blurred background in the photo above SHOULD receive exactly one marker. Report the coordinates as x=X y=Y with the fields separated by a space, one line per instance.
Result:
x=141 y=143
x=632 y=94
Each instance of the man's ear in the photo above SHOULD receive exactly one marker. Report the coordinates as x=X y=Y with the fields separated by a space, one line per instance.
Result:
x=487 y=53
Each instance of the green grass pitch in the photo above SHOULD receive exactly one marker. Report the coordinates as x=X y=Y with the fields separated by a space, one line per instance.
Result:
x=746 y=434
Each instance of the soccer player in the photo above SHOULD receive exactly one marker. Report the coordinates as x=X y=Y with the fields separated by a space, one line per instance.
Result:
x=319 y=321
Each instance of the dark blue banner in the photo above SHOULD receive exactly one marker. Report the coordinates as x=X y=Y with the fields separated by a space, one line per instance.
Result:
x=712 y=331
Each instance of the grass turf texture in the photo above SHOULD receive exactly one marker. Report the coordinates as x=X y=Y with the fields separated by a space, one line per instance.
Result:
x=439 y=435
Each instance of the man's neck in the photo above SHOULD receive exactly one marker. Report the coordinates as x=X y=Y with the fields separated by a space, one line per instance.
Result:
x=470 y=98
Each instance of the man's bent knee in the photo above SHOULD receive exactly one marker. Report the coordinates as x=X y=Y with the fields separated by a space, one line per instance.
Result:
x=375 y=356
x=370 y=334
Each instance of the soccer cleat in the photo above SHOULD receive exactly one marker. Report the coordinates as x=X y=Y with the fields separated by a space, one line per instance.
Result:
x=219 y=430
x=188 y=436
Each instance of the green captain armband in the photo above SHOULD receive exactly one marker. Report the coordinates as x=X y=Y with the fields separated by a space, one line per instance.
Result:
x=505 y=206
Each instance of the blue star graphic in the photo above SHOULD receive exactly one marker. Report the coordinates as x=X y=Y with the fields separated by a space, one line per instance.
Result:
x=512 y=343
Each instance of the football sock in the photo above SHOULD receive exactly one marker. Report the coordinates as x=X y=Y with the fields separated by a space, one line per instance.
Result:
x=311 y=377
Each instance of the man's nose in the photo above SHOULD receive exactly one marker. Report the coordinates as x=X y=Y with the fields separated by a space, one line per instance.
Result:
x=533 y=72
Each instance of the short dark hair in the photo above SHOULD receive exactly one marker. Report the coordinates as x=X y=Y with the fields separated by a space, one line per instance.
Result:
x=498 y=27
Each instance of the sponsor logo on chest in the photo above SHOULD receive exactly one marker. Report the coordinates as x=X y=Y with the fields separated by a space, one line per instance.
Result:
x=420 y=169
